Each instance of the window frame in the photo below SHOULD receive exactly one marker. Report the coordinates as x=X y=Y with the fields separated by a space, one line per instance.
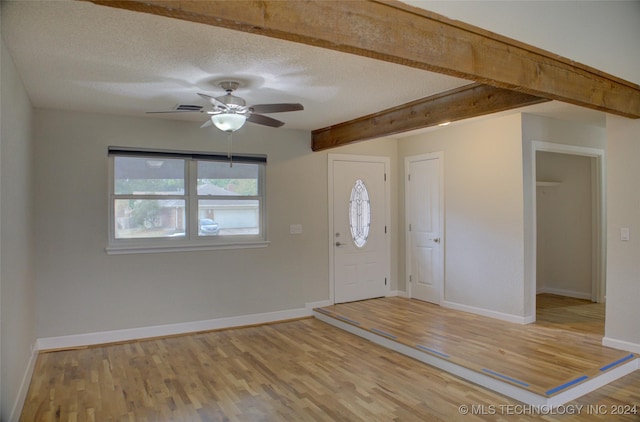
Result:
x=192 y=241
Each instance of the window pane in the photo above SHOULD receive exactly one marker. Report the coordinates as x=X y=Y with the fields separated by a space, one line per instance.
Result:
x=148 y=176
x=218 y=178
x=226 y=217
x=144 y=218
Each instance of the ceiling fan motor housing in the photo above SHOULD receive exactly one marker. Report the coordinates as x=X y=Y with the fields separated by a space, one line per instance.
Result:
x=232 y=101
x=229 y=86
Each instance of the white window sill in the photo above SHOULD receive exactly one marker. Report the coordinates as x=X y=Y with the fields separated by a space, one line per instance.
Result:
x=135 y=249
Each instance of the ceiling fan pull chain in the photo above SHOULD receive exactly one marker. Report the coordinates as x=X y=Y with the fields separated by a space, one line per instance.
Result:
x=229 y=145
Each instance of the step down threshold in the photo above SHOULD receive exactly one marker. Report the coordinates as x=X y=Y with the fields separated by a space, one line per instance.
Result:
x=487 y=378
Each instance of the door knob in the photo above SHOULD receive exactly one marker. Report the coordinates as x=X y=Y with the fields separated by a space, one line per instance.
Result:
x=338 y=244
x=436 y=240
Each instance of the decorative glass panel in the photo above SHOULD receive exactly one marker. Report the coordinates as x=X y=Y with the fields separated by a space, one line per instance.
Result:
x=359 y=214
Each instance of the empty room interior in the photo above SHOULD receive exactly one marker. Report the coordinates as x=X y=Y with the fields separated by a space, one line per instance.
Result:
x=322 y=210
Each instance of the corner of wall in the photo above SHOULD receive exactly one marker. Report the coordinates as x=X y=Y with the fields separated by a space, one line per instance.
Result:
x=17 y=281
x=18 y=404
x=622 y=266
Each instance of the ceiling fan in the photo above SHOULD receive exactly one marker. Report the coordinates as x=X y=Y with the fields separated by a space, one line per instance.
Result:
x=229 y=112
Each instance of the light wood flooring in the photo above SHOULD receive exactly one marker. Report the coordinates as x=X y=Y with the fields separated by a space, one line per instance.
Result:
x=546 y=358
x=578 y=315
x=302 y=370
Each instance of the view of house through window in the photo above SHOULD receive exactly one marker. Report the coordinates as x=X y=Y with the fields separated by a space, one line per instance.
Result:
x=229 y=196
x=149 y=198
x=185 y=197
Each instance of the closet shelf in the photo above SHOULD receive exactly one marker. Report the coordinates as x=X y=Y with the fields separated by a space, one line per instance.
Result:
x=547 y=183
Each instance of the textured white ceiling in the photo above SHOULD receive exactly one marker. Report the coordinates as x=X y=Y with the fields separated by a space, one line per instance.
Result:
x=80 y=56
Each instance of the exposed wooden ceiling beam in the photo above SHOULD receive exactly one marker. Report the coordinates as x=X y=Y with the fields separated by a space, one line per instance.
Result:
x=457 y=104
x=395 y=32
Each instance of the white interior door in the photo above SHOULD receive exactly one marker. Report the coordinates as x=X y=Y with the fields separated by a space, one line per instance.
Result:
x=359 y=242
x=424 y=206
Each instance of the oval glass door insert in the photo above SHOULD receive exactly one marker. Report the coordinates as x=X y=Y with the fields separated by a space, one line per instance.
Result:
x=359 y=214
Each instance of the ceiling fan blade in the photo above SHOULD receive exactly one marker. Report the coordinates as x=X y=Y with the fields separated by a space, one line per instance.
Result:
x=212 y=100
x=206 y=124
x=264 y=120
x=174 y=111
x=276 y=108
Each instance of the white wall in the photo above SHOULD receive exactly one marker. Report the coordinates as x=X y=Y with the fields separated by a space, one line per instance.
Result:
x=564 y=224
x=598 y=33
x=81 y=289
x=489 y=207
x=17 y=276
x=622 y=324
x=483 y=238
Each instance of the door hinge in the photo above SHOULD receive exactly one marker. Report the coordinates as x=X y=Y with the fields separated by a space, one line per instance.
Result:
x=410 y=278
x=408 y=177
x=385 y=229
x=409 y=226
x=385 y=177
x=385 y=281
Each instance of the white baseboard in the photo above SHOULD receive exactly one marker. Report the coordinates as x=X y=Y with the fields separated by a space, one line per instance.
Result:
x=16 y=410
x=622 y=345
x=318 y=304
x=398 y=293
x=562 y=292
x=488 y=313
x=103 y=337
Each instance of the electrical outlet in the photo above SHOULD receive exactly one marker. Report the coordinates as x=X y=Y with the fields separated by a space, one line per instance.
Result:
x=295 y=229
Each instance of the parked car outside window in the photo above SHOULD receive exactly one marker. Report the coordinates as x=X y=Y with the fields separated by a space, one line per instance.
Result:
x=208 y=227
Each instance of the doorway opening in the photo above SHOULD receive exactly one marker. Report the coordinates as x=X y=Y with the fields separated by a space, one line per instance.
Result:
x=570 y=258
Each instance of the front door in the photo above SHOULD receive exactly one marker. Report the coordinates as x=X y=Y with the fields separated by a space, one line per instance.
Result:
x=358 y=216
x=424 y=227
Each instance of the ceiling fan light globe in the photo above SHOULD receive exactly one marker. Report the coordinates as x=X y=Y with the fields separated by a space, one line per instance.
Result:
x=228 y=122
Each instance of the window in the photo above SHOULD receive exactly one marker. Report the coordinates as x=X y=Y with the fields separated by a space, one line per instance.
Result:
x=164 y=200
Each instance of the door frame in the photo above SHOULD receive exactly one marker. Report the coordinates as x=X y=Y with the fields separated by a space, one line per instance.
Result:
x=598 y=226
x=407 y=162
x=387 y=205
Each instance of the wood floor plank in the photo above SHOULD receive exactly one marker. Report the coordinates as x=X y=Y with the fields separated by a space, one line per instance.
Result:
x=302 y=370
